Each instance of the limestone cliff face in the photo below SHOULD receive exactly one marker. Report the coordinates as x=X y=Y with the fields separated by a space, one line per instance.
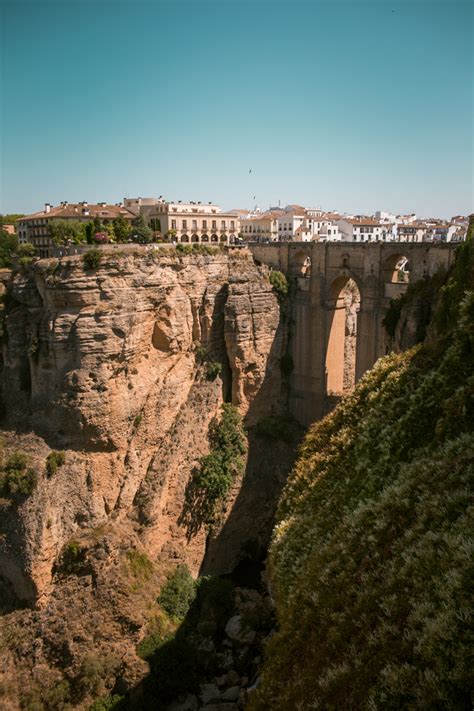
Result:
x=104 y=365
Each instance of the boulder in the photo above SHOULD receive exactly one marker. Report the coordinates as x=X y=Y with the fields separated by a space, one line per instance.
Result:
x=231 y=694
x=237 y=632
x=209 y=693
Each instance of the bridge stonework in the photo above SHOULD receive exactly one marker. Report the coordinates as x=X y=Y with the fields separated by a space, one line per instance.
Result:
x=319 y=272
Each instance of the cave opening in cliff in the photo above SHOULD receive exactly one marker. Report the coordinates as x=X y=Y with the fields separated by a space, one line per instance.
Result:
x=343 y=309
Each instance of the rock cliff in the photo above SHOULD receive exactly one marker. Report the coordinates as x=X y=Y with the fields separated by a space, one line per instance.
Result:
x=112 y=366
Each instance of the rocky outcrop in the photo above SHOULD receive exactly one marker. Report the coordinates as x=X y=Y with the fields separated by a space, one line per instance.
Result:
x=110 y=366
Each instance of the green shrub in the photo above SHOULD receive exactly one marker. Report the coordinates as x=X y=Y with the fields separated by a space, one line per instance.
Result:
x=178 y=592
x=218 y=469
x=53 y=461
x=16 y=478
x=112 y=702
x=72 y=557
x=195 y=248
x=280 y=284
x=92 y=259
x=213 y=369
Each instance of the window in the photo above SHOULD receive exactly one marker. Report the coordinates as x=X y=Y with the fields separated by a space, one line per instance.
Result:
x=214 y=224
x=185 y=224
x=173 y=224
x=232 y=224
x=222 y=224
x=204 y=224
x=195 y=225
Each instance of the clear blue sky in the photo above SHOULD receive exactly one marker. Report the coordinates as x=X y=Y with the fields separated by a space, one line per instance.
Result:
x=355 y=106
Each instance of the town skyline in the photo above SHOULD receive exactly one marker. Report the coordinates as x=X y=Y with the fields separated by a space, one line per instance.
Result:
x=359 y=106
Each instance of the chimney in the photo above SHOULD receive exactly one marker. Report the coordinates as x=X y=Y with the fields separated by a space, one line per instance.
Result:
x=47 y=207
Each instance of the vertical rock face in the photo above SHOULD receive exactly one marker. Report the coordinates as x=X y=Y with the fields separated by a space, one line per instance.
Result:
x=107 y=365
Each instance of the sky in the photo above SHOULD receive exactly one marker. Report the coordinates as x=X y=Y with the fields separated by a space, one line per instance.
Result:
x=352 y=106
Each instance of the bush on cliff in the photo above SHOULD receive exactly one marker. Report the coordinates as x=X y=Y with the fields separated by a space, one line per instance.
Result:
x=16 y=478
x=280 y=284
x=371 y=558
x=178 y=592
x=53 y=461
x=218 y=469
x=92 y=259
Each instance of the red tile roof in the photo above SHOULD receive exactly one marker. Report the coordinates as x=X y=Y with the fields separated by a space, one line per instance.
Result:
x=77 y=210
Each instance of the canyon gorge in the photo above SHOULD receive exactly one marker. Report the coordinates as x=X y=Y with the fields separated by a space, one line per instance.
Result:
x=113 y=379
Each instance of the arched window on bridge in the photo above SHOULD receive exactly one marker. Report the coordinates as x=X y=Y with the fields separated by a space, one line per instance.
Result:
x=301 y=264
x=395 y=275
x=342 y=309
x=396 y=269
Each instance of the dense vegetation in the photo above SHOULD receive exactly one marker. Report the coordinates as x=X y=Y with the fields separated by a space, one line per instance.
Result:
x=218 y=469
x=97 y=232
x=16 y=477
x=371 y=559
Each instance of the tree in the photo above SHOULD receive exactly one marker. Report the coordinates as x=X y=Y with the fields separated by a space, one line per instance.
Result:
x=141 y=232
x=8 y=245
x=121 y=229
x=89 y=232
x=10 y=219
x=62 y=230
x=98 y=226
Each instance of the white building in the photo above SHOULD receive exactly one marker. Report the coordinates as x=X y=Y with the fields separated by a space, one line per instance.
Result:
x=442 y=233
x=362 y=230
x=290 y=224
x=260 y=228
x=413 y=232
x=188 y=222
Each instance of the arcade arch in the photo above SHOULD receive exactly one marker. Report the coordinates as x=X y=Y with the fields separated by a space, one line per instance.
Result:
x=342 y=309
x=396 y=269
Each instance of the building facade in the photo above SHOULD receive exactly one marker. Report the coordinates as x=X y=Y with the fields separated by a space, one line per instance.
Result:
x=363 y=230
x=192 y=222
x=35 y=228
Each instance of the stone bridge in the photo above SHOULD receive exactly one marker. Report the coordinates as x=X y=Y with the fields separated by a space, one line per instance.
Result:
x=320 y=272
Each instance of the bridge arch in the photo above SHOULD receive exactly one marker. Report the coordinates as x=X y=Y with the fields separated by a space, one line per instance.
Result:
x=396 y=269
x=301 y=263
x=342 y=308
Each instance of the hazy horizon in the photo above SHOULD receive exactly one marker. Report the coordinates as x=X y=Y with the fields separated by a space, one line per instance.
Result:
x=353 y=106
